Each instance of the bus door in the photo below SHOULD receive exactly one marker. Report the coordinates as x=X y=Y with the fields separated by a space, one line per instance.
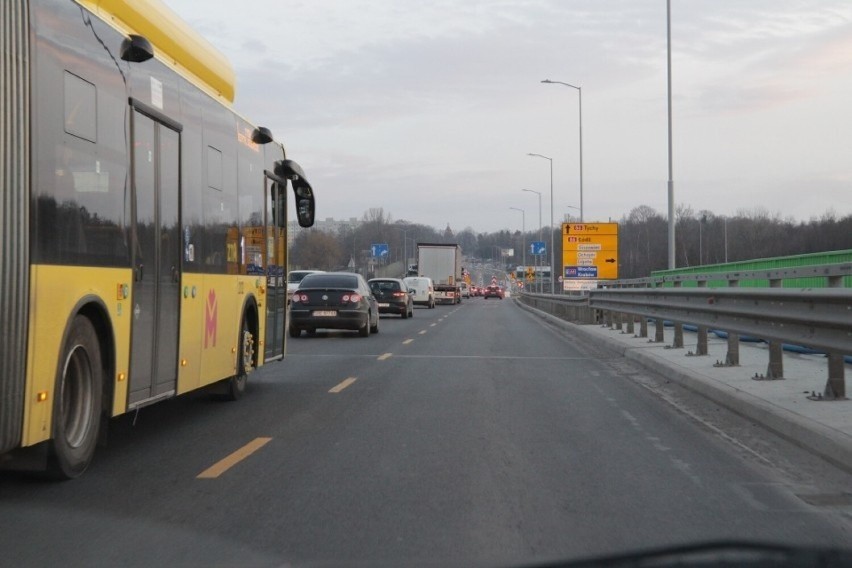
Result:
x=156 y=259
x=276 y=284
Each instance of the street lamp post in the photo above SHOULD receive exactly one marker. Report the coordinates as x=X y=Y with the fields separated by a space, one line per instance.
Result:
x=523 y=233
x=580 y=95
x=499 y=257
x=552 y=258
x=413 y=248
x=567 y=215
x=405 y=250
x=539 y=218
x=671 y=227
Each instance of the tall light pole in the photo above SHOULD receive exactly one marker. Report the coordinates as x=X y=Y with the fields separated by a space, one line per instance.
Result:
x=523 y=232
x=580 y=94
x=552 y=258
x=671 y=180
x=539 y=216
x=539 y=208
x=568 y=215
x=404 y=250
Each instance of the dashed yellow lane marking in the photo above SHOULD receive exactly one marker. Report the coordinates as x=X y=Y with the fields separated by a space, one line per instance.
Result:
x=385 y=356
x=407 y=341
x=342 y=385
x=227 y=463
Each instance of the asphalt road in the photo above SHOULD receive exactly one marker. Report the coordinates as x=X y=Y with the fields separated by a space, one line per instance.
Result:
x=468 y=434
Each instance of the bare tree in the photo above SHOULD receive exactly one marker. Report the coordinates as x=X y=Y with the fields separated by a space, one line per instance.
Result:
x=317 y=250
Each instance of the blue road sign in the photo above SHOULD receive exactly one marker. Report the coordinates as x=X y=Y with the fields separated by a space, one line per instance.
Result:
x=581 y=272
x=380 y=250
x=538 y=247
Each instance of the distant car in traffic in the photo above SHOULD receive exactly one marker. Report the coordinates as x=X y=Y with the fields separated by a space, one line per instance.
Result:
x=393 y=296
x=333 y=300
x=294 y=277
x=464 y=290
x=493 y=292
x=424 y=293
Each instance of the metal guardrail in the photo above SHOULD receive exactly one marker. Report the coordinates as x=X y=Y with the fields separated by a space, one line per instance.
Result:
x=568 y=307
x=820 y=319
x=815 y=318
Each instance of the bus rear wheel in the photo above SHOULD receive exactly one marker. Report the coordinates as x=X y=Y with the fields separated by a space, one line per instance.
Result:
x=77 y=402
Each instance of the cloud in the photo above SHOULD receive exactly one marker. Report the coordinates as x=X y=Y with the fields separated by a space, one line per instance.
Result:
x=387 y=101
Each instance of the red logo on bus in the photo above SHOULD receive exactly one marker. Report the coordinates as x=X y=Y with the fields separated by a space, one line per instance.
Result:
x=211 y=317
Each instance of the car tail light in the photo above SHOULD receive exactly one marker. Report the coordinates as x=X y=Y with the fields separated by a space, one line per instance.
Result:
x=399 y=294
x=299 y=298
x=353 y=297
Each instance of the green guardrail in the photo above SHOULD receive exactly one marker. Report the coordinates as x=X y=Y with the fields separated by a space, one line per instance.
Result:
x=811 y=259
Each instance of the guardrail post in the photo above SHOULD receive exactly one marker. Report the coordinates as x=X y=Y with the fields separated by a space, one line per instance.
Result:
x=732 y=357
x=678 y=336
x=630 y=328
x=678 y=328
x=835 y=387
x=775 y=369
x=643 y=326
x=619 y=321
x=659 y=336
x=701 y=346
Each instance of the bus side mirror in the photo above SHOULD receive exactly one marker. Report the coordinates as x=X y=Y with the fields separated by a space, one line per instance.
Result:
x=304 y=193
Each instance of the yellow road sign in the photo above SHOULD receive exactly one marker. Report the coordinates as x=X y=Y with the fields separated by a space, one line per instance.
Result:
x=590 y=251
x=590 y=242
x=590 y=228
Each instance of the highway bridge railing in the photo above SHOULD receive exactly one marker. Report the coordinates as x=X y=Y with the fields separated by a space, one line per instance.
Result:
x=809 y=320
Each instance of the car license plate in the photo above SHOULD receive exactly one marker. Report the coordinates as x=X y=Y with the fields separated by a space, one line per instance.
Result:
x=325 y=313
x=384 y=305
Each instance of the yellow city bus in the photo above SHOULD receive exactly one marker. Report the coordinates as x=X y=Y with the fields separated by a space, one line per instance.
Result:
x=142 y=224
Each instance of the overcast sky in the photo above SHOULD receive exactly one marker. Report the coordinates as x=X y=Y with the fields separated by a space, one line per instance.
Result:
x=429 y=109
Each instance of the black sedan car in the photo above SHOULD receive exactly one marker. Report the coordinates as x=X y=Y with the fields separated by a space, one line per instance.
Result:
x=333 y=300
x=393 y=296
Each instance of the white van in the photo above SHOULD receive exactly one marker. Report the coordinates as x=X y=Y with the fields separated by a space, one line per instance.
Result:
x=424 y=294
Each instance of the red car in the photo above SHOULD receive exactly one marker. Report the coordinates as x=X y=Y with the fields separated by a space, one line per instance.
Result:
x=493 y=292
